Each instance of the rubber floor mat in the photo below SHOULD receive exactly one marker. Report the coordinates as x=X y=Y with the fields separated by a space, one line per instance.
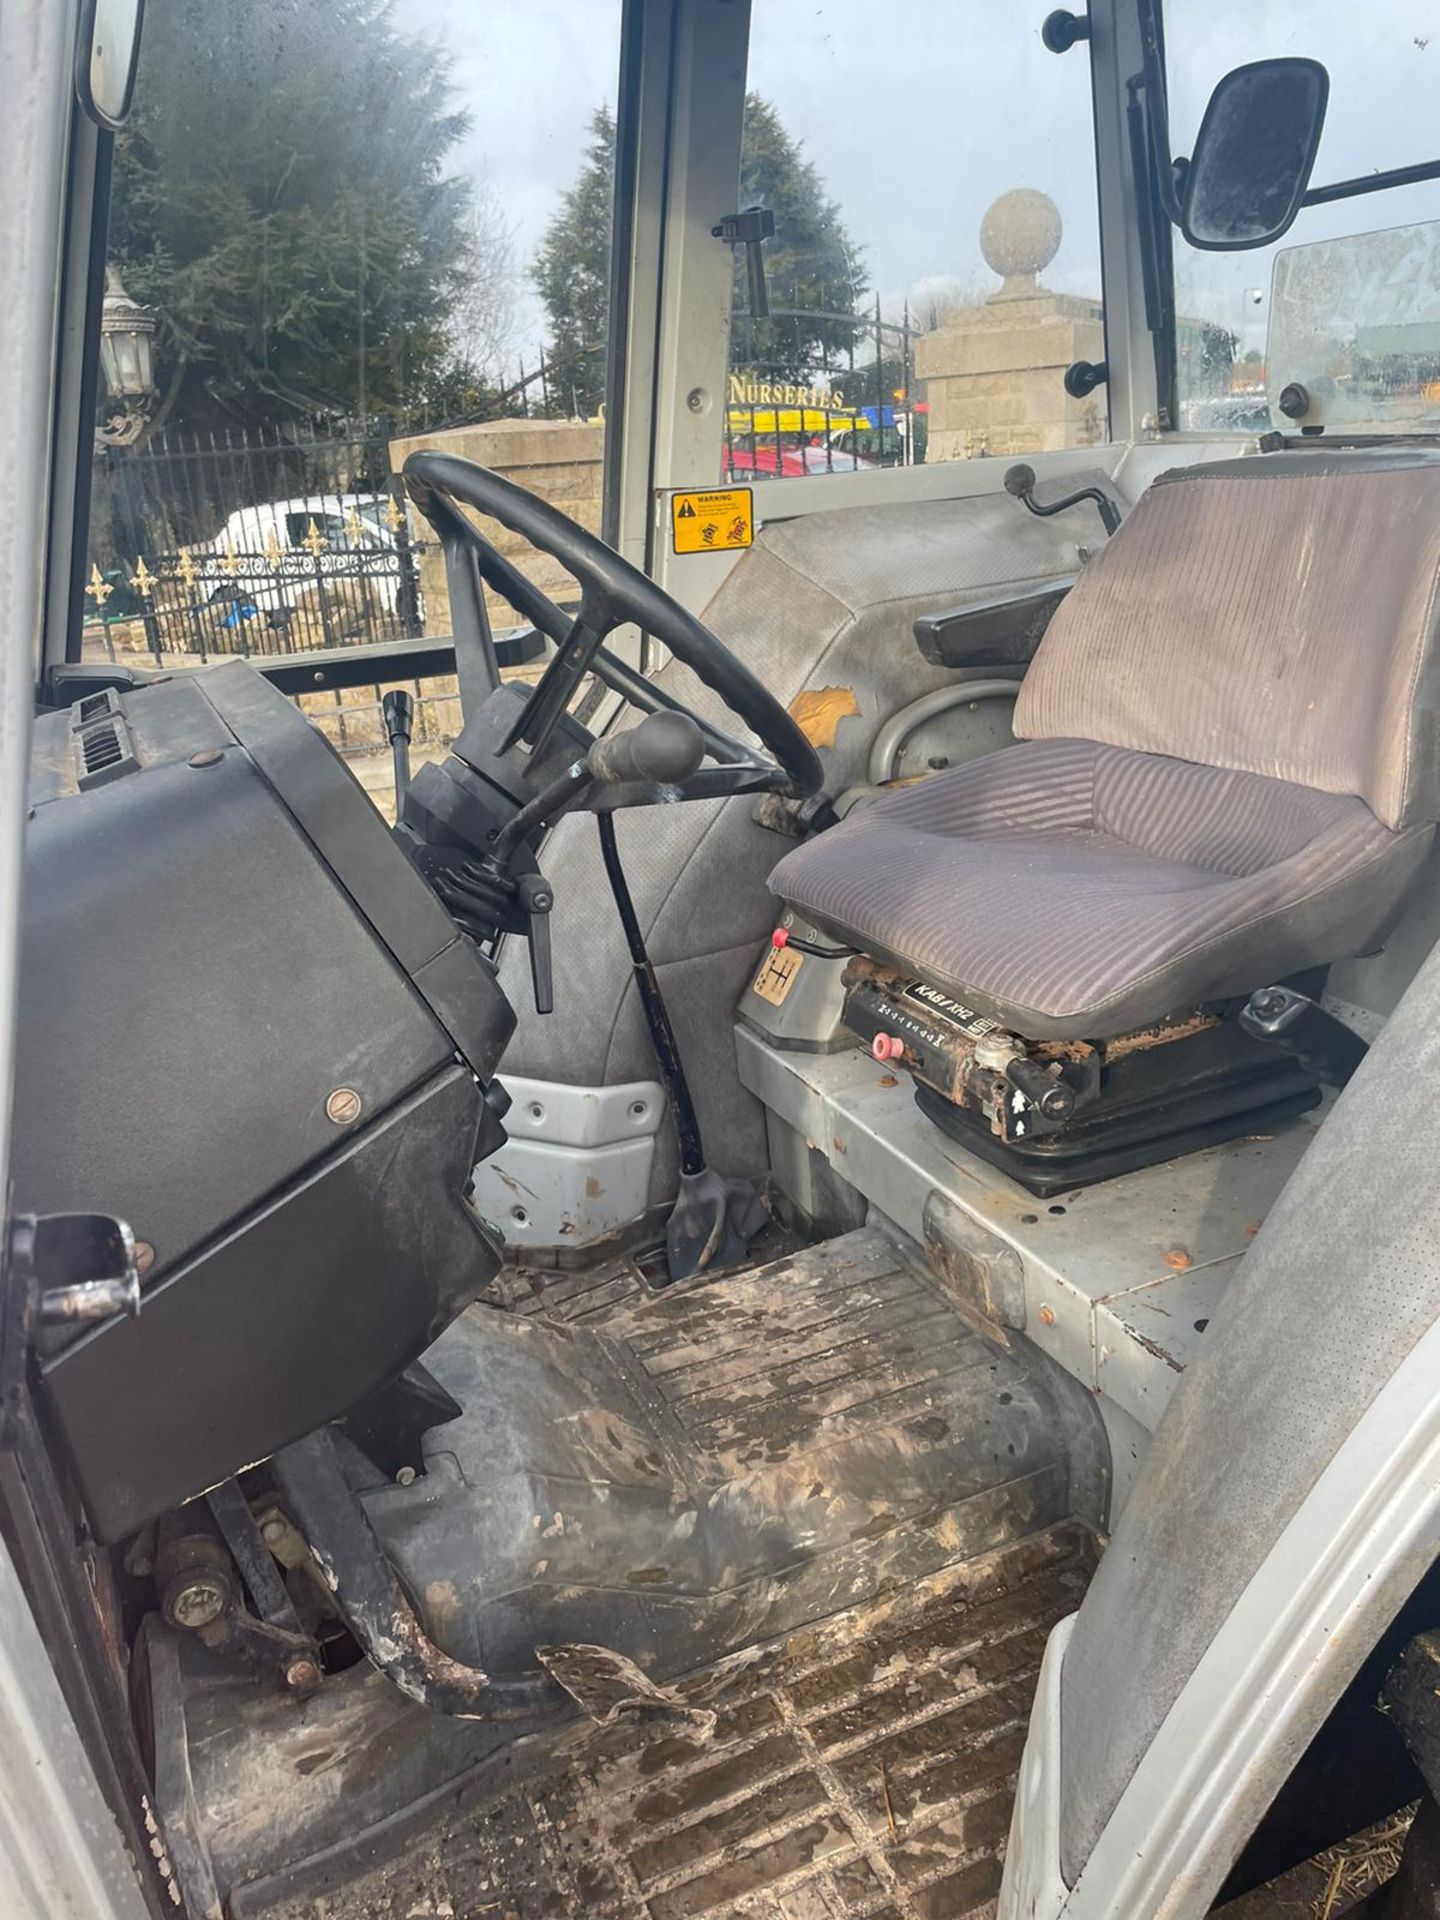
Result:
x=862 y=1767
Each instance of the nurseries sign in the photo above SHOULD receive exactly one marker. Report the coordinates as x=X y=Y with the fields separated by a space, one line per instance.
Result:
x=712 y=522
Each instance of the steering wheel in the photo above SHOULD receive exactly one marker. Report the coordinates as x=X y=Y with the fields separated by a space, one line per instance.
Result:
x=612 y=594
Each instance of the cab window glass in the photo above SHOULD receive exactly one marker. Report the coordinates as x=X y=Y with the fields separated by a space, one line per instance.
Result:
x=1337 y=306
x=935 y=265
x=333 y=227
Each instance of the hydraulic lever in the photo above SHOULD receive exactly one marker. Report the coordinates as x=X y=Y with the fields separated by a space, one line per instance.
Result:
x=1020 y=481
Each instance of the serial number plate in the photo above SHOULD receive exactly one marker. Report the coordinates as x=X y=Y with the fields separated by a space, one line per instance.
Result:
x=777 y=974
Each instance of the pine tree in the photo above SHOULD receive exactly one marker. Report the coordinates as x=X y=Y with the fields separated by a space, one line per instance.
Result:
x=281 y=202
x=812 y=269
x=572 y=275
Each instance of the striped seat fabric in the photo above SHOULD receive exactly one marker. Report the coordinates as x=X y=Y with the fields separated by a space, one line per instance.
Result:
x=1231 y=773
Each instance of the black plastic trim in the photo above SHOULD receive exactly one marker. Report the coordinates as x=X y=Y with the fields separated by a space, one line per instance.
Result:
x=1003 y=632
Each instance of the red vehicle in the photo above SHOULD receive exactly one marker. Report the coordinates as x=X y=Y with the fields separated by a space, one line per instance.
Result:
x=750 y=454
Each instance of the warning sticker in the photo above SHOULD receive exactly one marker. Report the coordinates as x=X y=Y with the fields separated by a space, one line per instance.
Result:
x=712 y=522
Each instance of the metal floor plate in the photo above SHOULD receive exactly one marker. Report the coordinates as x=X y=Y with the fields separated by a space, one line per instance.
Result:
x=1120 y=1279
x=861 y=1768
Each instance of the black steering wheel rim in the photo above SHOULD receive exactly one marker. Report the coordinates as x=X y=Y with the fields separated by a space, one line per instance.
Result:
x=613 y=593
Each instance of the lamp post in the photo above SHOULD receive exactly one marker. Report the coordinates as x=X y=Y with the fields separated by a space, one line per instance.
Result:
x=127 y=362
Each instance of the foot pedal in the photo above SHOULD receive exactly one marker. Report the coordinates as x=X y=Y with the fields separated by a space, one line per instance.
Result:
x=606 y=1687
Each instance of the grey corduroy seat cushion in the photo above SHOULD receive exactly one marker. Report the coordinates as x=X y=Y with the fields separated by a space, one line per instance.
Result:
x=1078 y=891
x=1232 y=766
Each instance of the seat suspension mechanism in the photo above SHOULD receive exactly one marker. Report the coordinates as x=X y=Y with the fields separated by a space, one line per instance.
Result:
x=1059 y=1114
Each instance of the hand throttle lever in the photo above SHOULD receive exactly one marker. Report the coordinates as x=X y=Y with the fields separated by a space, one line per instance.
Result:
x=1020 y=481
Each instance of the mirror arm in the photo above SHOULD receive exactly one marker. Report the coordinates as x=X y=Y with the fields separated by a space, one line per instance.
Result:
x=1372 y=183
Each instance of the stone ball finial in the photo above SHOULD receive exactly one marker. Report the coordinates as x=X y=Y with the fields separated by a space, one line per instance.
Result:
x=1020 y=236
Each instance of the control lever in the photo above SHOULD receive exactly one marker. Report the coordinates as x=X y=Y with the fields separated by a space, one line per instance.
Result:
x=536 y=900
x=1323 y=1045
x=397 y=710
x=1049 y=1096
x=1020 y=481
x=663 y=750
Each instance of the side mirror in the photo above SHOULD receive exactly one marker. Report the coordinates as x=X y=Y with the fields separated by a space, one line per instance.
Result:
x=1246 y=179
x=106 y=54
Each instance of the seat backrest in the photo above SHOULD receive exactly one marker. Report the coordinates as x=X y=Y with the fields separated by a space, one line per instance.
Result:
x=1275 y=614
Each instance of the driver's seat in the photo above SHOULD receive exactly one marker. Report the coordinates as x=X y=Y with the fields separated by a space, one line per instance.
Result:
x=1230 y=769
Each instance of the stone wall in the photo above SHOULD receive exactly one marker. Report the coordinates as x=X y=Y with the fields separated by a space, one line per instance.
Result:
x=557 y=459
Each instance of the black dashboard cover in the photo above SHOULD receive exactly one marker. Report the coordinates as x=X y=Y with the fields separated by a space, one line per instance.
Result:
x=219 y=935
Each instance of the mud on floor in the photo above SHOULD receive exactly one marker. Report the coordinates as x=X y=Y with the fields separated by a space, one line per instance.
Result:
x=864 y=1767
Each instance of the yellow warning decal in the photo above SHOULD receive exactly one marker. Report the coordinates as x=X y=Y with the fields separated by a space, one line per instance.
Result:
x=712 y=522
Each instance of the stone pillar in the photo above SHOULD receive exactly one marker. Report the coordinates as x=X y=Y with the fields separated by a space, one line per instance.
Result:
x=994 y=373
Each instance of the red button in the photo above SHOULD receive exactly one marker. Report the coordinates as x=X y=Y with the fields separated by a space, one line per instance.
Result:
x=779 y=938
x=886 y=1046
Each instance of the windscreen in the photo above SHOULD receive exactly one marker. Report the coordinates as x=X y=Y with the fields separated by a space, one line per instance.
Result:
x=339 y=228
x=935 y=264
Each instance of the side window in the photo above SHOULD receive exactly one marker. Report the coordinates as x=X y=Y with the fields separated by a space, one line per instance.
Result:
x=332 y=228
x=1335 y=297
x=935 y=266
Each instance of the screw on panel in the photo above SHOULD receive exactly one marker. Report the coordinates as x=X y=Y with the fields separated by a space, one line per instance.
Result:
x=343 y=1106
x=302 y=1675
x=198 y=1603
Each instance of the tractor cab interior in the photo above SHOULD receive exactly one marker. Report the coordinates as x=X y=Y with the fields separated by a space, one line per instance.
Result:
x=567 y=1342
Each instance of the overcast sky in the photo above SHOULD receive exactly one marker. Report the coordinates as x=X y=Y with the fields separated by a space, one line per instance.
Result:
x=918 y=113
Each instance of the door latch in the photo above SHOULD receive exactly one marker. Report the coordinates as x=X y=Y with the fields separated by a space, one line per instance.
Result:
x=74 y=1266
x=59 y=1269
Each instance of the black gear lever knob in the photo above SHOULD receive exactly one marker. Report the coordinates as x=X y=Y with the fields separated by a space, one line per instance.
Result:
x=1020 y=480
x=665 y=749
